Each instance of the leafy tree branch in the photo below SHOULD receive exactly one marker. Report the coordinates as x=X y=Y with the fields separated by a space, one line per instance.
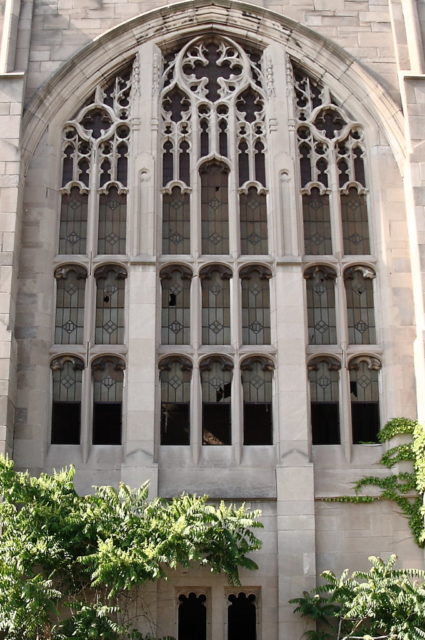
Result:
x=72 y=566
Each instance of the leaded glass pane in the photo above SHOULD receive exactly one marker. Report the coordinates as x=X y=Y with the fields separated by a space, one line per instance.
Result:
x=255 y=306
x=360 y=306
x=253 y=220
x=355 y=227
x=214 y=209
x=112 y=222
x=108 y=380
x=321 y=305
x=70 y=293
x=73 y=223
x=175 y=379
x=215 y=305
x=66 y=406
x=216 y=380
x=110 y=305
x=175 y=313
x=317 y=223
x=176 y=222
x=324 y=397
x=257 y=383
x=364 y=388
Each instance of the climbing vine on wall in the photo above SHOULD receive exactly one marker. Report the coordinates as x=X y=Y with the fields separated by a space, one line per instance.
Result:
x=406 y=488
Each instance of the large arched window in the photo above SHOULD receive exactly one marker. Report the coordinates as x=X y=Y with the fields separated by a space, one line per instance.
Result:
x=175 y=376
x=331 y=152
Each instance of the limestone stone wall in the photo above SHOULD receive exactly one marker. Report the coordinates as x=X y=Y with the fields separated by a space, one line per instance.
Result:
x=62 y=27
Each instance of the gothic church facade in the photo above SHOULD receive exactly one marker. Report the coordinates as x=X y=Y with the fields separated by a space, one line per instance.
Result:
x=212 y=268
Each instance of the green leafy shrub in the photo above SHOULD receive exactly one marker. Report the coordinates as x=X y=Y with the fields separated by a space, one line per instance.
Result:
x=384 y=603
x=406 y=488
x=70 y=564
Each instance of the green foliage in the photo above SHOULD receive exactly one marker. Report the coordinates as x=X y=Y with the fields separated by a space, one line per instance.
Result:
x=383 y=602
x=406 y=488
x=70 y=565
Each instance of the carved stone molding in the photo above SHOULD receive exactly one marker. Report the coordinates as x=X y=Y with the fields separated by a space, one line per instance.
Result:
x=332 y=363
x=102 y=272
x=224 y=272
x=58 y=363
x=184 y=363
x=167 y=272
x=101 y=363
x=251 y=270
x=320 y=272
x=62 y=272
x=359 y=270
x=372 y=363
x=265 y=363
x=225 y=363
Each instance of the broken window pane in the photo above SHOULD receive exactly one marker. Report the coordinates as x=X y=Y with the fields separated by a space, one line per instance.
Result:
x=360 y=306
x=110 y=284
x=364 y=391
x=175 y=312
x=216 y=380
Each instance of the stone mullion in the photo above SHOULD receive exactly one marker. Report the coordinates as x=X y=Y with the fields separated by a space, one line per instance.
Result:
x=93 y=199
x=86 y=413
x=237 y=413
x=196 y=414
x=335 y=204
x=233 y=183
x=195 y=197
